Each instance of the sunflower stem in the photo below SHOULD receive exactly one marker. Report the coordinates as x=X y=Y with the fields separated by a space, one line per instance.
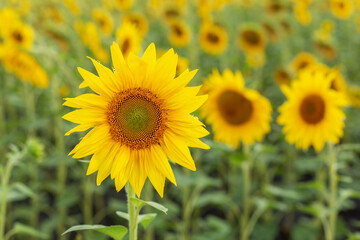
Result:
x=247 y=167
x=133 y=213
x=4 y=191
x=333 y=191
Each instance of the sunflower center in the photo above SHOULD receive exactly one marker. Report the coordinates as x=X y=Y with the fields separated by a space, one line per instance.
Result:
x=17 y=36
x=177 y=30
x=234 y=107
x=136 y=118
x=212 y=37
x=251 y=37
x=125 y=46
x=312 y=109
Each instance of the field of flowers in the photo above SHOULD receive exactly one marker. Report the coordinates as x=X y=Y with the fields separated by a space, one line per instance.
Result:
x=180 y=119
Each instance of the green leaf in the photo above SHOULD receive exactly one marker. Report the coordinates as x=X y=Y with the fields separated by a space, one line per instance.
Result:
x=84 y=161
x=146 y=219
x=23 y=189
x=122 y=215
x=280 y=192
x=140 y=203
x=236 y=159
x=117 y=232
x=20 y=228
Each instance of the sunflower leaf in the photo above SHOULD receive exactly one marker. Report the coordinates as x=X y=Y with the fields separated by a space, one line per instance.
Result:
x=123 y=215
x=140 y=203
x=146 y=219
x=21 y=229
x=117 y=232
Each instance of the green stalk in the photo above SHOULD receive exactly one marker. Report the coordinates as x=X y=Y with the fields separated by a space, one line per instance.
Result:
x=2 y=119
x=247 y=167
x=149 y=194
x=133 y=213
x=333 y=191
x=4 y=187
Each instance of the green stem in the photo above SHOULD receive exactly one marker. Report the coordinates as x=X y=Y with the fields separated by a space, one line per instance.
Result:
x=4 y=191
x=333 y=191
x=133 y=213
x=149 y=194
x=247 y=167
x=30 y=108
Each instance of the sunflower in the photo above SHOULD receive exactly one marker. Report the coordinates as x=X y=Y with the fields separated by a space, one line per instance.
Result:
x=141 y=116
x=128 y=38
x=213 y=38
x=256 y=60
x=19 y=34
x=270 y=31
x=73 y=6
x=139 y=21
x=342 y=9
x=23 y=66
x=302 y=13
x=281 y=76
x=180 y=33
x=301 y=61
x=235 y=113
x=312 y=114
x=327 y=50
x=124 y=4
x=354 y=95
x=182 y=65
x=104 y=20
x=252 y=39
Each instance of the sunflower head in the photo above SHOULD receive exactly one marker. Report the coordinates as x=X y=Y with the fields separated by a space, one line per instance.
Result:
x=252 y=39
x=213 y=38
x=19 y=34
x=302 y=61
x=302 y=13
x=235 y=113
x=327 y=50
x=179 y=34
x=342 y=9
x=312 y=113
x=104 y=20
x=128 y=38
x=139 y=21
x=281 y=76
x=140 y=116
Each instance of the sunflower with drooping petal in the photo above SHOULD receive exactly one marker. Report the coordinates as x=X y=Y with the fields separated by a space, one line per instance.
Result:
x=342 y=9
x=128 y=38
x=104 y=19
x=213 y=38
x=251 y=39
x=179 y=34
x=141 y=116
x=235 y=113
x=312 y=114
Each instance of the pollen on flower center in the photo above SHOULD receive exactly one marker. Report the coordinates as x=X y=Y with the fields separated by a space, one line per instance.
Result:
x=136 y=118
x=234 y=107
x=312 y=109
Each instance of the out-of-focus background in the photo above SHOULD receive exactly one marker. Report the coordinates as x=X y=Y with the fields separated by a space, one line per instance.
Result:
x=42 y=42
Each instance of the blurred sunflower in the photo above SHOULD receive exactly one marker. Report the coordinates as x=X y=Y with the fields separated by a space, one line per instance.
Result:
x=124 y=4
x=312 y=114
x=19 y=34
x=139 y=20
x=275 y=7
x=180 y=33
x=104 y=19
x=354 y=95
x=141 y=117
x=252 y=39
x=213 y=38
x=270 y=31
x=24 y=66
x=128 y=38
x=301 y=61
x=326 y=49
x=182 y=65
x=235 y=113
x=342 y=9
x=256 y=60
x=281 y=76
x=302 y=13
x=73 y=6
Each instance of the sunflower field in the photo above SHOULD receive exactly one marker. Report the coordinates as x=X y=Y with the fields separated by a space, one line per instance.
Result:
x=180 y=119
